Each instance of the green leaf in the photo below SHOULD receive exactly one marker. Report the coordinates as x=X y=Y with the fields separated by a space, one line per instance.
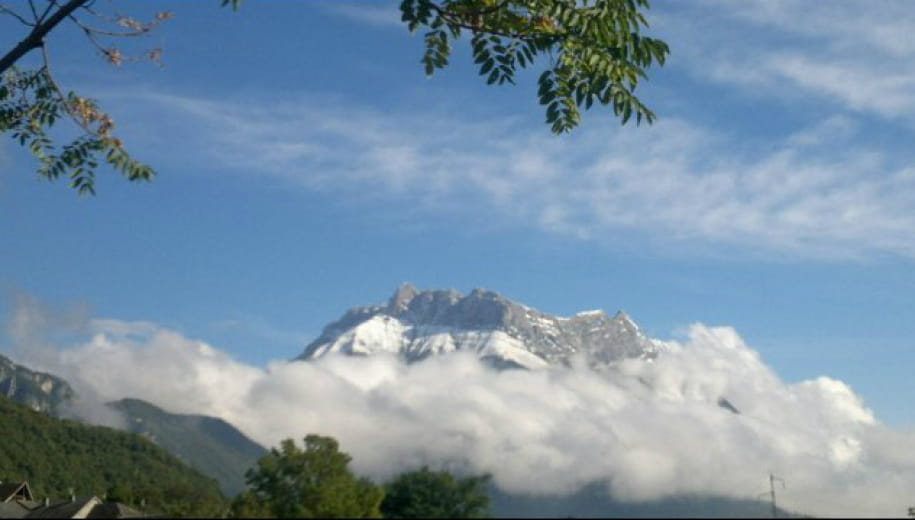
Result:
x=236 y=4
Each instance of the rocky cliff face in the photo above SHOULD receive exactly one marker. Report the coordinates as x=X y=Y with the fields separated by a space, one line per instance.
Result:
x=37 y=390
x=415 y=324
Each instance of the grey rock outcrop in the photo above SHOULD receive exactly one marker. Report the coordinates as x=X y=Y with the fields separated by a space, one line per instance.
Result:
x=39 y=391
x=416 y=324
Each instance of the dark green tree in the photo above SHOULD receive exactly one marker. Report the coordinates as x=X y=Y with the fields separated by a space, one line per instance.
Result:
x=312 y=483
x=435 y=494
x=247 y=505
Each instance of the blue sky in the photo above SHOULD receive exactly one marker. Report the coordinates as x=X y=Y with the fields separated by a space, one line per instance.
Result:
x=306 y=165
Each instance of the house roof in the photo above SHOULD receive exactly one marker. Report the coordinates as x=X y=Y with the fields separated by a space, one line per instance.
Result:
x=9 y=490
x=78 y=508
x=16 y=502
x=114 y=510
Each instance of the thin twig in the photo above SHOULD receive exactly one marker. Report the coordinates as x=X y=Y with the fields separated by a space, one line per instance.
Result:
x=14 y=14
x=34 y=11
x=60 y=94
x=96 y=30
x=88 y=8
x=51 y=4
x=91 y=37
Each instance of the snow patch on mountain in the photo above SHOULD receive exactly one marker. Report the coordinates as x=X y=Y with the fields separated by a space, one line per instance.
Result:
x=416 y=324
x=376 y=334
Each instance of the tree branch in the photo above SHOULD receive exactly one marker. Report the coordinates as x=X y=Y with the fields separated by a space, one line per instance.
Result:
x=14 y=14
x=94 y=30
x=60 y=93
x=34 y=39
x=51 y=4
x=449 y=18
x=34 y=12
x=39 y=18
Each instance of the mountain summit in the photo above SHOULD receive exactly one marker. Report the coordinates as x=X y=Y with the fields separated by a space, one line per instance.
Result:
x=415 y=324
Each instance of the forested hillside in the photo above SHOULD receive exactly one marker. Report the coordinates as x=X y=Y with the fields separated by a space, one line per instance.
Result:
x=211 y=445
x=59 y=456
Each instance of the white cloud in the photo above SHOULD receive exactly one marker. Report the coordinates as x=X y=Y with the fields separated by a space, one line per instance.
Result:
x=825 y=191
x=377 y=13
x=650 y=429
x=857 y=54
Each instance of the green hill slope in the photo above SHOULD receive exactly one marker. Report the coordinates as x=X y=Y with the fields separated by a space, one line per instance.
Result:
x=212 y=446
x=59 y=456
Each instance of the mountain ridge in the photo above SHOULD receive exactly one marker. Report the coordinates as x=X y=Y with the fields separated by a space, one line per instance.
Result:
x=415 y=324
x=210 y=445
x=60 y=456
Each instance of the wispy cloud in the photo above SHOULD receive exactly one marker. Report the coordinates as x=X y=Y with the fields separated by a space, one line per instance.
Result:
x=859 y=55
x=649 y=430
x=825 y=191
x=380 y=13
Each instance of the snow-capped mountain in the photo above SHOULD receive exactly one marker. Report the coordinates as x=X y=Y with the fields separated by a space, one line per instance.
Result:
x=416 y=324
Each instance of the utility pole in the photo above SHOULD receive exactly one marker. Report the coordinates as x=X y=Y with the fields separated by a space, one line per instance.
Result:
x=772 y=479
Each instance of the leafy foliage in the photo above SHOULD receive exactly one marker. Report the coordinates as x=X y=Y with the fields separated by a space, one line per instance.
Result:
x=435 y=494
x=30 y=104
x=312 y=483
x=595 y=48
x=248 y=505
x=57 y=456
x=234 y=3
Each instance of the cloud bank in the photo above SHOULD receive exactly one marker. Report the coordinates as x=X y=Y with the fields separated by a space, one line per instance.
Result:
x=650 y=430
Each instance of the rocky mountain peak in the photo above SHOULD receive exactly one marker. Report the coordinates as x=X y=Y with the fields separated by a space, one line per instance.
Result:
x=417 y=323
x=402 y=297
x=623 y=317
